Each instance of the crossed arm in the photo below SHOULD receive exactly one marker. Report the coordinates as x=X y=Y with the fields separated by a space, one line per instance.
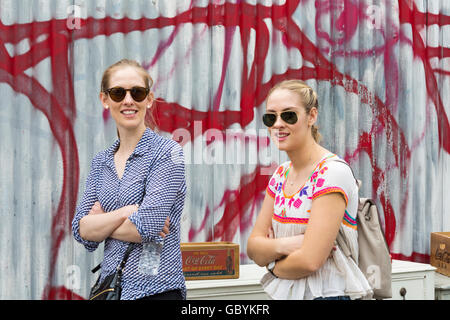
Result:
x=297 y=256
x=98 y=225
x=165 y=183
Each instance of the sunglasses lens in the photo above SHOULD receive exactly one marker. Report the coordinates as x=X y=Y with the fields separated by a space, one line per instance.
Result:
x=269 y=119
x=117 y=94
x=139 y=93
x=289 y=117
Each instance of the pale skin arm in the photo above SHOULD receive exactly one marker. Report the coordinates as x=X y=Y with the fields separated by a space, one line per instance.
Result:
x=326 y=216
x=99 y=225
x=262 y=248
x=127 y=231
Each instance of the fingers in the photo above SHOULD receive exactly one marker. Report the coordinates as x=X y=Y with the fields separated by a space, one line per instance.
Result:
x=96 y=205
x=96 y=208
x=332 y=250
x=270 y=233
x=165 y=230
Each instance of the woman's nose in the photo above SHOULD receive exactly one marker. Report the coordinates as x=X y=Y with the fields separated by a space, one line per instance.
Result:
x=128 y=98
x=278 y=123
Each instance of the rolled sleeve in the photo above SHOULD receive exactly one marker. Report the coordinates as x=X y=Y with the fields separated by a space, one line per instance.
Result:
x=86 y=203
x=164 y=183
x=337 y=178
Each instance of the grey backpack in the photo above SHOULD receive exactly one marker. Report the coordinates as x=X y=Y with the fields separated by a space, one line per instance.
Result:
x=374 y=258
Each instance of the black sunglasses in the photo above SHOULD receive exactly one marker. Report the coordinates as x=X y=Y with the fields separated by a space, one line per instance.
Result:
x=289 y=117
x=137 y=93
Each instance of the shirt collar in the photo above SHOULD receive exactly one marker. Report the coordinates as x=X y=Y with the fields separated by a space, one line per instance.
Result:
x=111 y=150
x=141 y=147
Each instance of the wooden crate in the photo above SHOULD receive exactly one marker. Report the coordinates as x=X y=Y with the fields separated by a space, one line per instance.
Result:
x=440 y=252
x=210 y=260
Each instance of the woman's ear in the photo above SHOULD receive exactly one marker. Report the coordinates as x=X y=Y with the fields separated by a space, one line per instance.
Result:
x=312 y=116
x=150 y=99
x=104 y=100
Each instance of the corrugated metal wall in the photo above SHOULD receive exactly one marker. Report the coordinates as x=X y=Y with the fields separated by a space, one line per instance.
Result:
x=381 y=68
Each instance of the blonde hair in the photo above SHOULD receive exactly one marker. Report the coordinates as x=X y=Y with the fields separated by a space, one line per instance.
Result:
x=308 y=97
x=150 y=119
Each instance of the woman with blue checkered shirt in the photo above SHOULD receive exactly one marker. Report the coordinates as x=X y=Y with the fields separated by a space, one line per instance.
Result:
x=135 y=190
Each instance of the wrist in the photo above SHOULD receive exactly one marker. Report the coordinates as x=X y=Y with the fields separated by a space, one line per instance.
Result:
x=127 y=211
x=270 y=267
x=280 y=247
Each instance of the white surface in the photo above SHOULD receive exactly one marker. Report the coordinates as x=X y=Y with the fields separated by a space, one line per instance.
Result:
x=249 y=274
x=442 y=287
x=246 y=287
x=417 y=278
x=442 y=281
x=399 y=266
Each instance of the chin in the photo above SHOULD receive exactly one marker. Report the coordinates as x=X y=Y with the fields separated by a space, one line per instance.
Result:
x=130 y=126
x=285 y=148
x=281 y=145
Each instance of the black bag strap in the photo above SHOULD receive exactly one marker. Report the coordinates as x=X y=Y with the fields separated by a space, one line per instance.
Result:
x=96 y=268
x=121 y=264
x=125 y=257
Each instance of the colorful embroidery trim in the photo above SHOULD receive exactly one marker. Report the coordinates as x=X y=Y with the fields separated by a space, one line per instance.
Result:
x=349 y=221
x=311 y=177
x=290 y=219
x=330 y=190
x=270 y=192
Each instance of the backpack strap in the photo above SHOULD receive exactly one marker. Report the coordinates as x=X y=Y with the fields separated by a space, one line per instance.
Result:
x=358 y=182
x=341 y=239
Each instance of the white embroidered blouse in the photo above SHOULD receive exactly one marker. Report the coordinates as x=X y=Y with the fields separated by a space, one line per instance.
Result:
x=339 y=275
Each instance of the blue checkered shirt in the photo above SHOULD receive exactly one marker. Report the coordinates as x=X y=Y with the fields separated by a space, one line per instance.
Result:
x=154 y=178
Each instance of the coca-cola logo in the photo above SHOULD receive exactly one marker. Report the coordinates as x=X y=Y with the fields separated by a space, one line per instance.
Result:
x=200 y=260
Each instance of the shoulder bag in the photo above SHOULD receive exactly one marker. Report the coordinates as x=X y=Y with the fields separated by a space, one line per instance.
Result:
x=111 y=287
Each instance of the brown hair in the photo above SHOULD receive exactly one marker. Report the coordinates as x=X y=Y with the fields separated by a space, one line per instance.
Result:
x=308 y=97
x=150 y=116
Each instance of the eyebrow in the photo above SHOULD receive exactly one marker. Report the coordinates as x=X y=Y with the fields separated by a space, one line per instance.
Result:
x=282 y=110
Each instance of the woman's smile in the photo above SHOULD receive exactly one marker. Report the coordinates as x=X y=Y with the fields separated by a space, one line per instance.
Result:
x=280 y=135
x=129 y=113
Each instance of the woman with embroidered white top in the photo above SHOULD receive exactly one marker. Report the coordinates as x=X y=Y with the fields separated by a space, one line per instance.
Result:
x=308 y=199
